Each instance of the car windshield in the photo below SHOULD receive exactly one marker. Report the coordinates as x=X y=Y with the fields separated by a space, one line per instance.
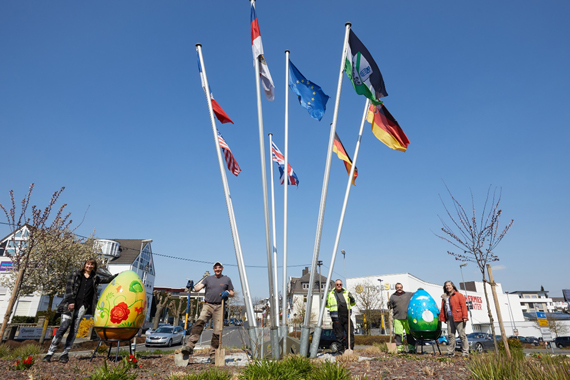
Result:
x=163 y=330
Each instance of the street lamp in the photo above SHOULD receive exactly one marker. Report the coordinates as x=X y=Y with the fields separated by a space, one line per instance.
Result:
x=465 y=291
x=382 y=307
x=514 y=326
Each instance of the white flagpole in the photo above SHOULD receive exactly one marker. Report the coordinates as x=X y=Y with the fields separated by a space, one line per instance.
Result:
x=229 y=205
x=305 y=329
x=273 y=228
x=318 y=328
x=285 y=209
x=273 y=303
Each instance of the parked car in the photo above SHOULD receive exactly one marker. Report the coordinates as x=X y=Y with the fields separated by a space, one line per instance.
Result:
x=165 y=336
x=161 y=324
x=238 y=322
x=533 y=340
x=562 y=341
x=226 y=322
x=328 y=340
x=443 y=340
x=478 y=342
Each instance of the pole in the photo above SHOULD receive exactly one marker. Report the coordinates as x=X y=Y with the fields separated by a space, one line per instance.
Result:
x=274 y=344
x=230 y=208
x=284 y=288
x=303 y=350
x=465 y=291
x=318 y=328
x=498 y=307
x=273 y=302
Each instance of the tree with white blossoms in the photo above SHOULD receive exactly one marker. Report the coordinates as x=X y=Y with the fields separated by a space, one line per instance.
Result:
x=21 y=252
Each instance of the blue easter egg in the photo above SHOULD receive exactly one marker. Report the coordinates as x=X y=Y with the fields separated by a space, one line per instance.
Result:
x=423 y=316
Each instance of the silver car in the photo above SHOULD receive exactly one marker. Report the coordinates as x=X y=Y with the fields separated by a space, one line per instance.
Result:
x=165 y=336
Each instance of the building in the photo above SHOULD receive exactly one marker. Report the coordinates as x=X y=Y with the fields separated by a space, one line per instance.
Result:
x=511 y=310
x=534 y=300
x=297 y=297
x=119 y=254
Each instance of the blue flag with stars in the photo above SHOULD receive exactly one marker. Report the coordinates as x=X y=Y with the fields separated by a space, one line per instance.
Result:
x=310 y=95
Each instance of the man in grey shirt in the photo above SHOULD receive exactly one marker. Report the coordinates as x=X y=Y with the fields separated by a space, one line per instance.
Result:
x=218 y=288
x=399 y=304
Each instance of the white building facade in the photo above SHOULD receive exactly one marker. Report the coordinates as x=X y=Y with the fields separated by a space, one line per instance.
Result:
x=509 y=304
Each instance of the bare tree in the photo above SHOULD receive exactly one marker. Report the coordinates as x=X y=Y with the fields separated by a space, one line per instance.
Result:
x=368 y=297
x=176 y=308
x=476 y=236
x=34 y=224
x=161 y=299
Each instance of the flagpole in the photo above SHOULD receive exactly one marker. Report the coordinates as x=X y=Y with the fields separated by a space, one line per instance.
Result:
x=285 y=208
x=274 y=331
x=318 y=328
x=273 y=228
x=229 y=205
x=305 y=329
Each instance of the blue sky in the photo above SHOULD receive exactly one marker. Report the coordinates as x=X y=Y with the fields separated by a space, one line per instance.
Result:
x=105 y=99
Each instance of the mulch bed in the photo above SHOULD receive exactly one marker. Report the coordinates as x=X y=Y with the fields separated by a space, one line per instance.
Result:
x=382 y=366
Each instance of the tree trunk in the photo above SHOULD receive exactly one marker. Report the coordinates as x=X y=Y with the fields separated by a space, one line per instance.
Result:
x=12 y=301
x=48 y=317
x=491 y=320
x=499 y=316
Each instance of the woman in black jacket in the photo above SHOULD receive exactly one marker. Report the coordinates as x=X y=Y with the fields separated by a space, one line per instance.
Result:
x=80 y=298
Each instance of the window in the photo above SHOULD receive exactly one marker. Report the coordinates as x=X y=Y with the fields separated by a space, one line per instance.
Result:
x=305 y=285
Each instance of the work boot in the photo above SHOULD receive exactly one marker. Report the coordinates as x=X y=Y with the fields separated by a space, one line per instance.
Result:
x=64 y=358
x=186 y=350
x=47 y=358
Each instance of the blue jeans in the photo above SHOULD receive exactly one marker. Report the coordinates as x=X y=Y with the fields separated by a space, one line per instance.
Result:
x=72 y=320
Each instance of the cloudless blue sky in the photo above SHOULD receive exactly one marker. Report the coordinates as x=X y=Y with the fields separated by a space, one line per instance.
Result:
x=105 y=99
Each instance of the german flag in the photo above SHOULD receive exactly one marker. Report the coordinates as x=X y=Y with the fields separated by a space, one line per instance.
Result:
x=386 y=128
x=338 y=148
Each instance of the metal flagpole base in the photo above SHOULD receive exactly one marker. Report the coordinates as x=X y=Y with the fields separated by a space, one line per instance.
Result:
x=254 y=343
x=305 y=332
x=283 y=339
x=275 y=352
x=316 y=341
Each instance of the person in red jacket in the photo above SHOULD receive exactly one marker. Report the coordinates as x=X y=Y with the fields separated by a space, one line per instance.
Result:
x=454 y=312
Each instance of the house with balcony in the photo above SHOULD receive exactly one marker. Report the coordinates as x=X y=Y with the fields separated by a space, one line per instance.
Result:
x=532 y=301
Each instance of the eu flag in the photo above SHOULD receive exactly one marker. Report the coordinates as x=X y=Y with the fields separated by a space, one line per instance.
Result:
x=310 y=95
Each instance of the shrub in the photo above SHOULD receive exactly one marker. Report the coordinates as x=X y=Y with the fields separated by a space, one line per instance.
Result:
x=84 y=327
x=22 y=319
x=53 y=320
x=24 y=351
x=515 y=346
x=330 y=370
x=4 y=351
x=292 y=367
x=24 y=364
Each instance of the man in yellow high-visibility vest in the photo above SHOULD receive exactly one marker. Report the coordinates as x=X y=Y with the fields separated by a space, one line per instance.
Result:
x=340 y=302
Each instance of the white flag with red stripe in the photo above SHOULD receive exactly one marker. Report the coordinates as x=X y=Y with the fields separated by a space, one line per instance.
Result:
x=257 y=48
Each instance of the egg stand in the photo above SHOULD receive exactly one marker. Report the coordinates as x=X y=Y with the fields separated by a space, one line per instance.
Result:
x=111 y=341
x=422 y=338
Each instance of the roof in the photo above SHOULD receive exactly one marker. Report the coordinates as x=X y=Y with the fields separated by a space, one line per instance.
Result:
x=129 y=249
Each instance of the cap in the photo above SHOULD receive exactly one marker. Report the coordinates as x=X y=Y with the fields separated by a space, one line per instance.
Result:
x=218 y=263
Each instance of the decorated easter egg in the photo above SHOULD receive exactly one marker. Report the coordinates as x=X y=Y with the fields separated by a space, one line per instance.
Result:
x=423 y=316
x=121 y=308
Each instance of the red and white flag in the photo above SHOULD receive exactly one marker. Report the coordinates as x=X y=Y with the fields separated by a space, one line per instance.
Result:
x=257 y=48
x=218 y=111
x=229 y=157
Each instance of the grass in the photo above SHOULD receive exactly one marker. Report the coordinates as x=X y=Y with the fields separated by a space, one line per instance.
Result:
x=19 y=352
x=211 y=374
x=492 y=367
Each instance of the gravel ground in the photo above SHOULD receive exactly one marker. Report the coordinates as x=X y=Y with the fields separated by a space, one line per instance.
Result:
x=374 y=365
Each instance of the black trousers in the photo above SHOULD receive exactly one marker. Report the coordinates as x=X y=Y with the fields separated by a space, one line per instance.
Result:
x=340 y=328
